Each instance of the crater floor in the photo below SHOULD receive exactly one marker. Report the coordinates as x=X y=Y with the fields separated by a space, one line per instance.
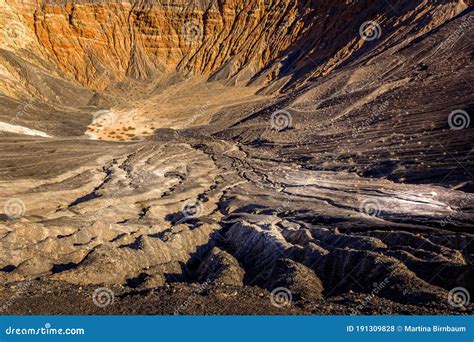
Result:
x=182 y=209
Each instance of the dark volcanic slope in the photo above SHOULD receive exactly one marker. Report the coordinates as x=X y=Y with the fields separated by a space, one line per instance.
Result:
x=386 y=114
x=338 y=181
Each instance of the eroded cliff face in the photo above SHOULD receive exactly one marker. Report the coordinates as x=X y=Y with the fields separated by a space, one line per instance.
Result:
x=98 y=43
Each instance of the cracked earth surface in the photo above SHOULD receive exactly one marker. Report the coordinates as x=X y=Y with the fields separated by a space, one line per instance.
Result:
x=182 y=209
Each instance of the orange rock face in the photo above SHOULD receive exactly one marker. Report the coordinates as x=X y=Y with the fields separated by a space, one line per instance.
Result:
x=100 y=42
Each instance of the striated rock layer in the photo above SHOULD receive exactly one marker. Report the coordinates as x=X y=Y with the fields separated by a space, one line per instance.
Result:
x=98 y=43
x=256 y=157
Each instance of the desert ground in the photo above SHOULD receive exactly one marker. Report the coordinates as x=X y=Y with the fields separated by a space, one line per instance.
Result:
x=273 y=157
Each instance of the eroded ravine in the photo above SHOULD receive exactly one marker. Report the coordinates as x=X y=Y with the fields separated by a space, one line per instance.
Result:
x=192 y=209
